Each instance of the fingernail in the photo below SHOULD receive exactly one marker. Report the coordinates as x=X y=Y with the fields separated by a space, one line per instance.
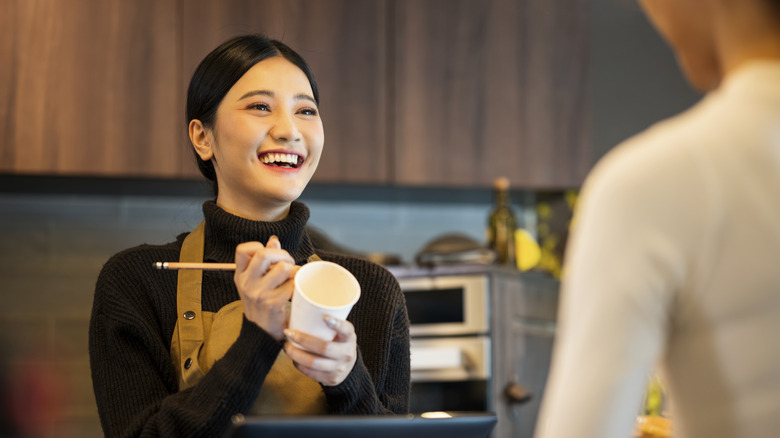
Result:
x=330 y=321
x=290 y=334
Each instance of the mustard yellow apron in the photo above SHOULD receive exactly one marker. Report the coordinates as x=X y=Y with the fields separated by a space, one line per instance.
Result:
x=201 y=338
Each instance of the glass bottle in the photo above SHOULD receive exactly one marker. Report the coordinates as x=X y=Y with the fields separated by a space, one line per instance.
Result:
x=502 y=224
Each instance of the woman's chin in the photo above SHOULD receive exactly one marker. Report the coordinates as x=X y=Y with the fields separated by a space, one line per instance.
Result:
x=282 y=197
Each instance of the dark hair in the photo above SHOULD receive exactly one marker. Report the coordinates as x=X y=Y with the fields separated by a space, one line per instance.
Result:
x=776 y=5
x=221 y=69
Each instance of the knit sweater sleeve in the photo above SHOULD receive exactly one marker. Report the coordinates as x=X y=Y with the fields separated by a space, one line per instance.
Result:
x=135 y=384
x=380 y=380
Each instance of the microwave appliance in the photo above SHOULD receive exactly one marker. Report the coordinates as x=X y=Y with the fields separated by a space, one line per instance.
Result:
x=449 y=305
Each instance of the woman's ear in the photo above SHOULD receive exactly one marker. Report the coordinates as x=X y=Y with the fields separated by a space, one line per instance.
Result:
x=199 y=136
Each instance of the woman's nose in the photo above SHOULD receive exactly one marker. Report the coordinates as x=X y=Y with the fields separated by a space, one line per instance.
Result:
x=284 y=128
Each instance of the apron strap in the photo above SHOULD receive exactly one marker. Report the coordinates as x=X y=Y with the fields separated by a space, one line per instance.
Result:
x=188 y=308
x=313 y=258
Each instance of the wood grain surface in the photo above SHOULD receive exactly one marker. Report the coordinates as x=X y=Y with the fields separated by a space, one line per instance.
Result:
x=413 y=92
x=488 y=88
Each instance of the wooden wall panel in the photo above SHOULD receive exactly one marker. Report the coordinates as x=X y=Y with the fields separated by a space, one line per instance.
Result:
x=413 y=92
x=485 y=88
x=8 y=37
x=343 y=41
x=89 y=87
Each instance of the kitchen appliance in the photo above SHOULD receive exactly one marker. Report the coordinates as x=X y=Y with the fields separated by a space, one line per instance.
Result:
x=481 y=340
x=450 y=342
x=454 y=248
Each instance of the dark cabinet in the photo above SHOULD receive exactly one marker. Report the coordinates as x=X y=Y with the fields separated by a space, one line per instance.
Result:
x=490 y=88
x=94 y=87
x=413 y=92
x=90 y=87
x=524 y=310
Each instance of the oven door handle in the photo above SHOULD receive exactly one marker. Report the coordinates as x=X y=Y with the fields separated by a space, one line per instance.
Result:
x=516 y=393
x=437 y=358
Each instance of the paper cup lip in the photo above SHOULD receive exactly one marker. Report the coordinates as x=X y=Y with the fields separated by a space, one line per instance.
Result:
x=347 y=276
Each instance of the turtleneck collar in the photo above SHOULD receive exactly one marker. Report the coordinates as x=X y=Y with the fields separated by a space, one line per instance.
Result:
x=224 y=231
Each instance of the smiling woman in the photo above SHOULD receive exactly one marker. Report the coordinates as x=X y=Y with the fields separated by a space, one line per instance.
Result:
x=270 y=112
x=178 y=354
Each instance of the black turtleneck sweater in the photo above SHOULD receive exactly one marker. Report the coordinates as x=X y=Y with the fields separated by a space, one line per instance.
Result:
x=134 y=314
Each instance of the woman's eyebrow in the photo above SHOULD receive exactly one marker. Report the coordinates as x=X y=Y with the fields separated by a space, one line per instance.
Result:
x=301 y=96
x=304 y=96
x=257 y=93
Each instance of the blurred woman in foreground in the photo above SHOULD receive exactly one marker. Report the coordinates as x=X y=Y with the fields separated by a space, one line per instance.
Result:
x=674 y=254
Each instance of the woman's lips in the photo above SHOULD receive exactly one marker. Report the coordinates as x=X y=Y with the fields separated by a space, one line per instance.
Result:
x=281 y=159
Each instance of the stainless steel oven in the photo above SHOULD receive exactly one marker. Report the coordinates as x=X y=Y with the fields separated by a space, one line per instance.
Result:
x=450 y=341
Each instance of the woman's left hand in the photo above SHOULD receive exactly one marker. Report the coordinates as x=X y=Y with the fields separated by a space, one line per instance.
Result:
x=328 y=362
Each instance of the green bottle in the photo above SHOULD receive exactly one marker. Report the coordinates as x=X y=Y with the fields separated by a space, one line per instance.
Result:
x=502 y=225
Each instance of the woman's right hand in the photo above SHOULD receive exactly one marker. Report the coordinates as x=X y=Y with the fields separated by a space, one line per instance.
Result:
x=263 y=278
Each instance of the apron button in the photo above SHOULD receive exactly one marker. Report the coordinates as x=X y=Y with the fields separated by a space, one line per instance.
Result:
x=187 y=363
x=189 y=315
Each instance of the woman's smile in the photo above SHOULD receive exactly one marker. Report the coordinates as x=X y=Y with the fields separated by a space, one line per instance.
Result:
x=281 y=159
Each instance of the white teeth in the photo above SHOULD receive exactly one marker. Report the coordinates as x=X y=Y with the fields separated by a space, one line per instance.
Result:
x=279 y=158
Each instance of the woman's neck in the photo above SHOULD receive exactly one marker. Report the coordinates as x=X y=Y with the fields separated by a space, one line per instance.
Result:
x=748 y=32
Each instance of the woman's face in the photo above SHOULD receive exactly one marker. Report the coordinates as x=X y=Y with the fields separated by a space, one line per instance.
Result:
x=688 y=26
x=266 y=141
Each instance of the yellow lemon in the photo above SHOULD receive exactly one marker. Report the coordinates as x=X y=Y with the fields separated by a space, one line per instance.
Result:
x=527 y=250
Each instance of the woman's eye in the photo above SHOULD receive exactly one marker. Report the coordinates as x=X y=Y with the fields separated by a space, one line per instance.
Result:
x=259 y=106
x=308 y=111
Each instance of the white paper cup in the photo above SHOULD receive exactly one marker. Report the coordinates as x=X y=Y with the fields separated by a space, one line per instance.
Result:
x=322 y=288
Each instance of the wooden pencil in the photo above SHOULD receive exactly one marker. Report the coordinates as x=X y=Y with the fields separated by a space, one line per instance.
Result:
x=172 y=266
